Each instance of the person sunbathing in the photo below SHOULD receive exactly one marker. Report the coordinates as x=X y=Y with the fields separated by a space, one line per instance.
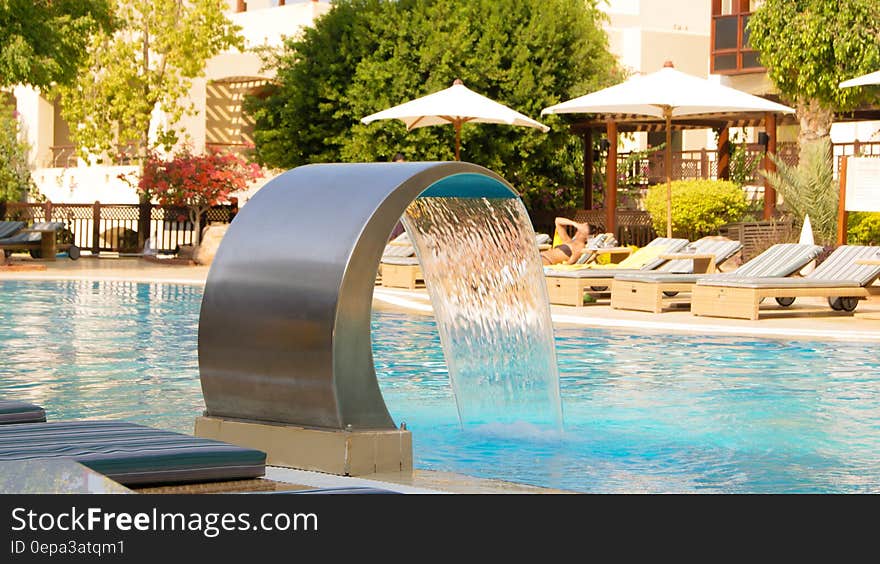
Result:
x=571 y=248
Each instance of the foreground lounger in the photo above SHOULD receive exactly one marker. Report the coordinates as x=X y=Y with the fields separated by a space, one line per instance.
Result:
x=20 y=412
x=656 y=291
x=844 y=277
x=566 y=284
x=132 y=454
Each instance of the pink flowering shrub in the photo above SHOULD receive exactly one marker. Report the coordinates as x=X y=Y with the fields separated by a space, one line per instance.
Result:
x=195 y=182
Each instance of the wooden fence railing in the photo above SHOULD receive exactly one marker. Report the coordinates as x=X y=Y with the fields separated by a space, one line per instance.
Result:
x=651 y=168
x=120 y=227
x=757 y=236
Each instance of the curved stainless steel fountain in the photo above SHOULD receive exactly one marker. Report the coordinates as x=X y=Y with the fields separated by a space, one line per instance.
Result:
x=284 y=334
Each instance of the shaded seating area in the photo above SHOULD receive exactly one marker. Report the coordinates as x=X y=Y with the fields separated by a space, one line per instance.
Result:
x=132 y=454
x=40 y=239
x=659 y=291
x=20 y=412
x=844 y=278
x=566 y=284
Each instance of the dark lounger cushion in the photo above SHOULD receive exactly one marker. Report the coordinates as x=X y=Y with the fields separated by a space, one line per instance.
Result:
x=20 y=412
x=132 y=454
x=342 y=490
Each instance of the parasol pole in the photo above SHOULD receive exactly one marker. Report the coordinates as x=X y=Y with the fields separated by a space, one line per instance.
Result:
x=667 y=113
x=457 y=124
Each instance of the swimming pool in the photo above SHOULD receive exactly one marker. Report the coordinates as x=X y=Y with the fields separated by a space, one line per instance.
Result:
x=643 y=412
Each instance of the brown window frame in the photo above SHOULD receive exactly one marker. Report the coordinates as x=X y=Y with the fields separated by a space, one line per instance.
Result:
x=741 y=12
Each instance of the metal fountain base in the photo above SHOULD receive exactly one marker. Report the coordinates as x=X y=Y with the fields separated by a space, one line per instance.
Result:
x=340 y=452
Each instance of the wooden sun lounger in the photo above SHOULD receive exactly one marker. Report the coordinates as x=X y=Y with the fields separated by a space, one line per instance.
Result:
x=401 y=272
x=399 y=267
x=656 y=292
x=844 y=278
x=41 y=239
x=567 y=287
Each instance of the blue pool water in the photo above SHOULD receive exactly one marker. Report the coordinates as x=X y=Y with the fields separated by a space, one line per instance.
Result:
x=643 y=412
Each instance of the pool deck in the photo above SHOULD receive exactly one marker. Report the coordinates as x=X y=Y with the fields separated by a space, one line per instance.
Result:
x=808 y=318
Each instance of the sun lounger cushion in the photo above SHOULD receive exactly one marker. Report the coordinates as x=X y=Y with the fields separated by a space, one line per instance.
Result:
x=401 y=261
x=397 y=251
x=590 y=272
x=642 y=259
x=20 y=412
x=664 y=244
x=639 y=259
x=32 y=236
x=400 y=246
x=722 y=250
x=332 y=491
x=777 y=283
x=780 y=260
x=841 y=265
x=839 y=270
x=8 y=228
x=659 y=277
x=132 y=454
x=542 y=239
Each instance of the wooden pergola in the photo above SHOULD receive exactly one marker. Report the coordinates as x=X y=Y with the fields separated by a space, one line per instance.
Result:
x=613 y=124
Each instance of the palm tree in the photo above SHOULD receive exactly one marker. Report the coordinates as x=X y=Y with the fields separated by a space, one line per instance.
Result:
x=809 y=188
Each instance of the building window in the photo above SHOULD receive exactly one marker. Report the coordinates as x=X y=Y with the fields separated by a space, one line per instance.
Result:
x=731 y=53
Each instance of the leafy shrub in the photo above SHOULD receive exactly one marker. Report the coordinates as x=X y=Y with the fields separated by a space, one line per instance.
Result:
x=863 y=228
x=699 y=207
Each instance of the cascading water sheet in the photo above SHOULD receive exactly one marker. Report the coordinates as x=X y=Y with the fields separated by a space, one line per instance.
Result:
x=487 y=288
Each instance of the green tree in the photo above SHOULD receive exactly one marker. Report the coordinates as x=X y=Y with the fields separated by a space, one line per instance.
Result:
x=15 y=176
x=809 y=47
x=147 y=64
x=44 y=41
x=367 y=55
